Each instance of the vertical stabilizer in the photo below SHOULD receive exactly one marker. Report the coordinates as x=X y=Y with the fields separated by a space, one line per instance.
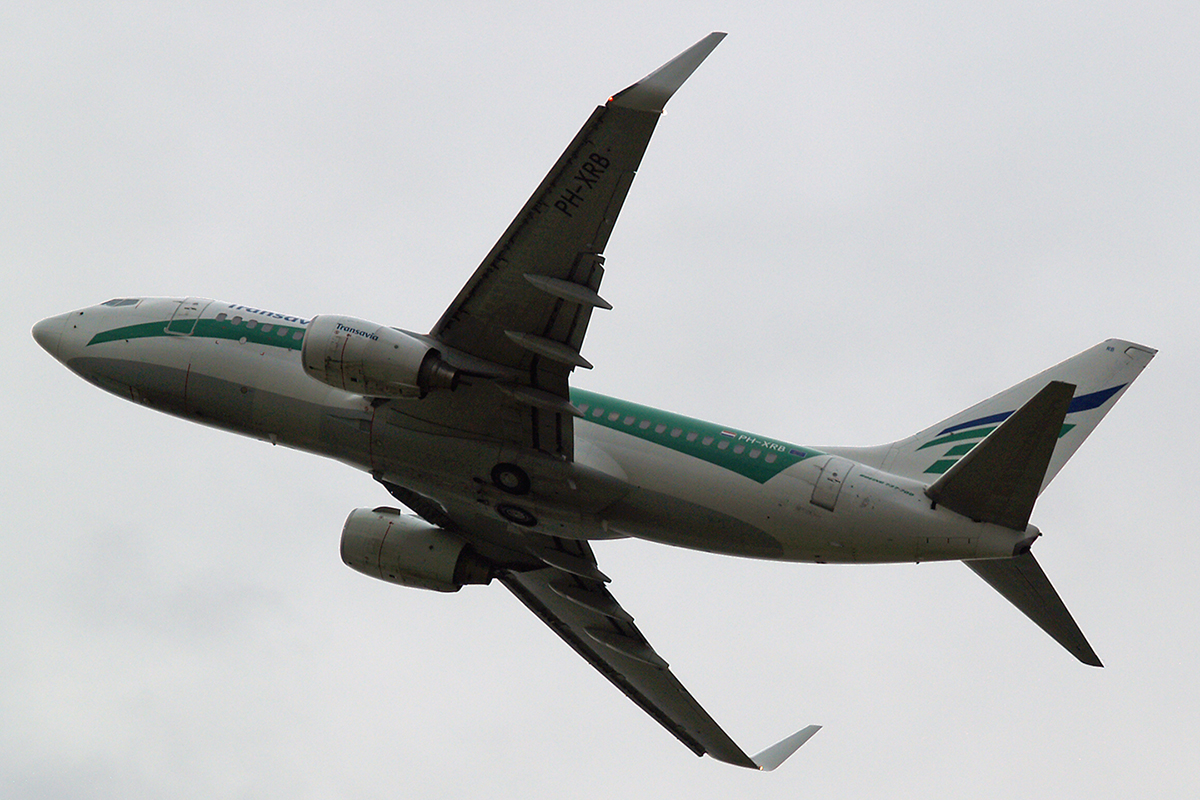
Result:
x=990 y=462
x=999 y=480
x=1101 y=374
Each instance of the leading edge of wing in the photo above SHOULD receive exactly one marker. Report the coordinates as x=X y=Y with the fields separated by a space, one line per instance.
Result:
x=527 y=307
x=539 y=282
x=588 y=618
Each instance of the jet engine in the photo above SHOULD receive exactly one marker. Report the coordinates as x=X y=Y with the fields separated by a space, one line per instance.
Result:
x=403 y=549
x=373 y=360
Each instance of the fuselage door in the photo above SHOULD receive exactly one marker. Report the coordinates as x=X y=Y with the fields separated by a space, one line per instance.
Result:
x=183 y=321
x=829 y=484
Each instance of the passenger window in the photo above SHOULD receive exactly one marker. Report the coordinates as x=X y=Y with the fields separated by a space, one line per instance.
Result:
x=298 y=335
x=236 y=320
x=614 y=416
x=706 y=441
x=676 y=431
x=599 y=412
x=770 y=459
x=739 y=448
x=583 y=407
x=267 y=328
x=221 y=317
x=691 y=437
x=252 y=324
x=659 y=428
x=644 y=424
x=722 y=445
x=755 y=453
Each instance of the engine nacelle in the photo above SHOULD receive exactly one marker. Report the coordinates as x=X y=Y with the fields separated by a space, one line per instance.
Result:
x=403 y=549
x=373 y=360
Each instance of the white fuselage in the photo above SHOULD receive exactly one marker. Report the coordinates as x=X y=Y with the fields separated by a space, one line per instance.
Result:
x=692 y=486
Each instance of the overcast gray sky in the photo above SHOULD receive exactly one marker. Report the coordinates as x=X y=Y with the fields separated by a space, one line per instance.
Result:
x=854 y=220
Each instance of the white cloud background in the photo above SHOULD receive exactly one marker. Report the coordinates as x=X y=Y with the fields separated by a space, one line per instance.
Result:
x=852 y=222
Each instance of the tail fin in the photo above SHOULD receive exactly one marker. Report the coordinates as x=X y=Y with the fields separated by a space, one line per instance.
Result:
x=999 y=480
x=991 y=461
x=1101 y=374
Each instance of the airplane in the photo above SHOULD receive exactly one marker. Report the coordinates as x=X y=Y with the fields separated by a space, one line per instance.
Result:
x=509 y=472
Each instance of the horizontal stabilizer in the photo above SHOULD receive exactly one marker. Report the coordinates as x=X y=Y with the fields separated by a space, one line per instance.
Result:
x=1023 y=584
x=999 y=479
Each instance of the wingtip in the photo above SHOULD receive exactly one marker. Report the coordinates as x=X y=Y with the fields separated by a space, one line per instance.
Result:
x=779 y=752
x=652 y=92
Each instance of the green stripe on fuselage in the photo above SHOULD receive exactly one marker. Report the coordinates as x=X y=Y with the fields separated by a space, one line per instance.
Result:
x=740 y=452
x=263 y=333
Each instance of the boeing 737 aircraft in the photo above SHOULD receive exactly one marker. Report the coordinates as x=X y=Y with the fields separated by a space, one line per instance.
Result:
x=510 y=472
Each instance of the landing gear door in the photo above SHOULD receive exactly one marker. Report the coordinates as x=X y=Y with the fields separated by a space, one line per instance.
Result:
x=829 y=484
x=183 y=321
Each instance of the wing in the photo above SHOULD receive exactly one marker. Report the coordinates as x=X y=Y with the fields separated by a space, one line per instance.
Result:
x=527 y=306
x=569 y=595
x=518 y=325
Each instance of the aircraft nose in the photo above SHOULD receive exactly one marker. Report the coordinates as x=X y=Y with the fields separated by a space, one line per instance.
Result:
x=48 y=333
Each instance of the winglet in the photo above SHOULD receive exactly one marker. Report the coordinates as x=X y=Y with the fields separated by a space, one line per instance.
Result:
x=776 y=754
x=652 y=92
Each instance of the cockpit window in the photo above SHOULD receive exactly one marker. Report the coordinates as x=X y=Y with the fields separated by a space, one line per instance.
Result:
x=123 y=301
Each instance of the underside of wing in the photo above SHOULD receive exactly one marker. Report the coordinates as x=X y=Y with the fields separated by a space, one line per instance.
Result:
x=513 y=335
x=527 y=306
x=569 y=595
